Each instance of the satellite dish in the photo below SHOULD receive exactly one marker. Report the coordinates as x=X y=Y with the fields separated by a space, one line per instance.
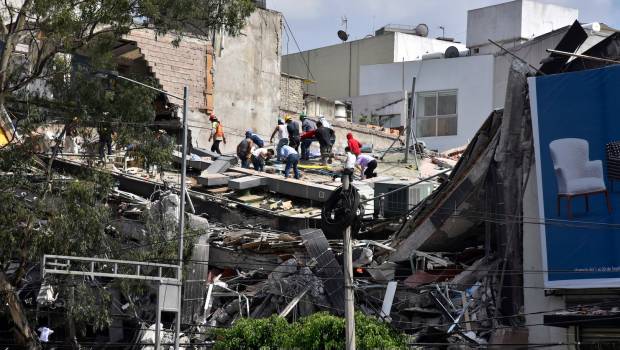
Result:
x=343 y=35
x=452 y=52
x=421 y=30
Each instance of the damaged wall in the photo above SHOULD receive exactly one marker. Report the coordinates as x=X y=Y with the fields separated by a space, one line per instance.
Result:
x=191 y=64
x=247 y=78
x=291 y=94
x=379 y=139
x=174 y=67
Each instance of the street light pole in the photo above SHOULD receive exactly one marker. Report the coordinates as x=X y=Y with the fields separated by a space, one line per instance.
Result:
x=185 y=98
x=182 y=213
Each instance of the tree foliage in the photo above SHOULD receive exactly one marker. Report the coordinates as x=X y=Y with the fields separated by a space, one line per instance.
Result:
x=318 y=331
x=53 y=84
x=68 y=26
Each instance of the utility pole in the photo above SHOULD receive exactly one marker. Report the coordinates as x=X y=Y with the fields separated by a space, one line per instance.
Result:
x=177 y=337
x=349 y=296
x=409 y=133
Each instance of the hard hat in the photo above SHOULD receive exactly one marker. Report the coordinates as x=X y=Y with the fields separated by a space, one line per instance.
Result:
x=287 y=118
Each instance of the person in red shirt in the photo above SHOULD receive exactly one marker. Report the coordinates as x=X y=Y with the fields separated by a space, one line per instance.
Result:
x=354 y=145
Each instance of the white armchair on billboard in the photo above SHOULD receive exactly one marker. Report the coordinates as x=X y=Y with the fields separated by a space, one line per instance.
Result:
x=575 y=173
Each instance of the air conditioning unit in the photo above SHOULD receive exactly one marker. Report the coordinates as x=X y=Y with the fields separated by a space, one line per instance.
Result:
x=400 y=202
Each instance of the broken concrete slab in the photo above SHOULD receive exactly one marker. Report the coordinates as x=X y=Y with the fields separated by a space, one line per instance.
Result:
x=247 y=182
x=211 y=180
x=299 y=188
x=221 y=164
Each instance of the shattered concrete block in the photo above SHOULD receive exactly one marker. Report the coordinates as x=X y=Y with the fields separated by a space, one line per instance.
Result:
x=286 y=205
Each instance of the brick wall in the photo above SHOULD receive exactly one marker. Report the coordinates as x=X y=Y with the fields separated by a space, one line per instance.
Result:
x=291 y=94
x=174 y=67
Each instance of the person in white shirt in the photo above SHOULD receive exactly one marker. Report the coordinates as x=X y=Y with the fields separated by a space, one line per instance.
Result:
x=282 y=137
x=259 y=156
x=349 y=164
x=45 y=334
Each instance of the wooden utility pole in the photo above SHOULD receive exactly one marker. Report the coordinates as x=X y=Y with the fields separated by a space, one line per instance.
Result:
x=349 y=296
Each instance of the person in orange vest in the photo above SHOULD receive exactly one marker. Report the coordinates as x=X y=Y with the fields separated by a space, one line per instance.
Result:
x=217 y=134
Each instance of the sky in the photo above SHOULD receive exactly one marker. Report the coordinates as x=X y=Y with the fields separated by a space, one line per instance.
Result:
x=315 y=22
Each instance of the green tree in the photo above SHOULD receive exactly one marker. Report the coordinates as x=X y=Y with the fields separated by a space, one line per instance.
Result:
x=72 y=218
x=320 y=331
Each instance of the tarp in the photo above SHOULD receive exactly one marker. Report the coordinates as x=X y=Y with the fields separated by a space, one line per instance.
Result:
x=582 y=251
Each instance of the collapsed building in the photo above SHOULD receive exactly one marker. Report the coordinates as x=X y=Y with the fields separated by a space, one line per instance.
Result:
x=449 y=269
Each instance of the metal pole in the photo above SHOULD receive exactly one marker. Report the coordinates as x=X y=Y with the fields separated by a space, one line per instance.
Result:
x=182 y=215
x=407 y=126
x=410 y=129
x=158 y=318
x=583 y=56
x=349 y=296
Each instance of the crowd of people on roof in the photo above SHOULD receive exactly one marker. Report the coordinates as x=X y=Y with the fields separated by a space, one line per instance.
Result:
x=291 y=144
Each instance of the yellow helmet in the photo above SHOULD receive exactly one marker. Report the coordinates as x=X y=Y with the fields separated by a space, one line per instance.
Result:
x=287 y=118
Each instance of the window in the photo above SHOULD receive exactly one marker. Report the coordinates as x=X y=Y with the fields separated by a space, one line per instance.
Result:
x=436 y=113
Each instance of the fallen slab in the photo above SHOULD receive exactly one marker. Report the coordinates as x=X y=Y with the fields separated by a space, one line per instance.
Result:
x=247 y=182
x=212 y=180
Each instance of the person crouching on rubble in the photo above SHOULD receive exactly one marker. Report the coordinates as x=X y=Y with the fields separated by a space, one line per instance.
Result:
x=367 y=166
x=259 y=156
x=258 y=141
x=217 y=134
x=291 y=157
x=244 y=152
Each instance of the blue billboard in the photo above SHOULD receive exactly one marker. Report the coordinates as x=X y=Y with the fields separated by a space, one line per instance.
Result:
x=576 y=126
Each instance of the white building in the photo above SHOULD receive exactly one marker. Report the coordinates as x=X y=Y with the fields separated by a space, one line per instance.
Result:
x=513 y=23
x=335 y=69
x=452 y=96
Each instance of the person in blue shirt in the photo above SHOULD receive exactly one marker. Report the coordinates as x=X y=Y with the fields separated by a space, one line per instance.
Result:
x=258 y=141
x=291 y=157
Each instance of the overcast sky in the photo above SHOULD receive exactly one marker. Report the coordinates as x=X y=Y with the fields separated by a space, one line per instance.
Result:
x=315 y=22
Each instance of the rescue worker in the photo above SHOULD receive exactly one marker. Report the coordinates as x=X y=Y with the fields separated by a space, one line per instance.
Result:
x=349 y=164
x=306 y=126
x=324 y=136
x=282 y=136
x=217 y=134
x=291 y=157
x=244 y=152
x=354 y=145
x=367 y=165
x=293 y=132
x=105 y=141
x=258 y=141
x=259 y=156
